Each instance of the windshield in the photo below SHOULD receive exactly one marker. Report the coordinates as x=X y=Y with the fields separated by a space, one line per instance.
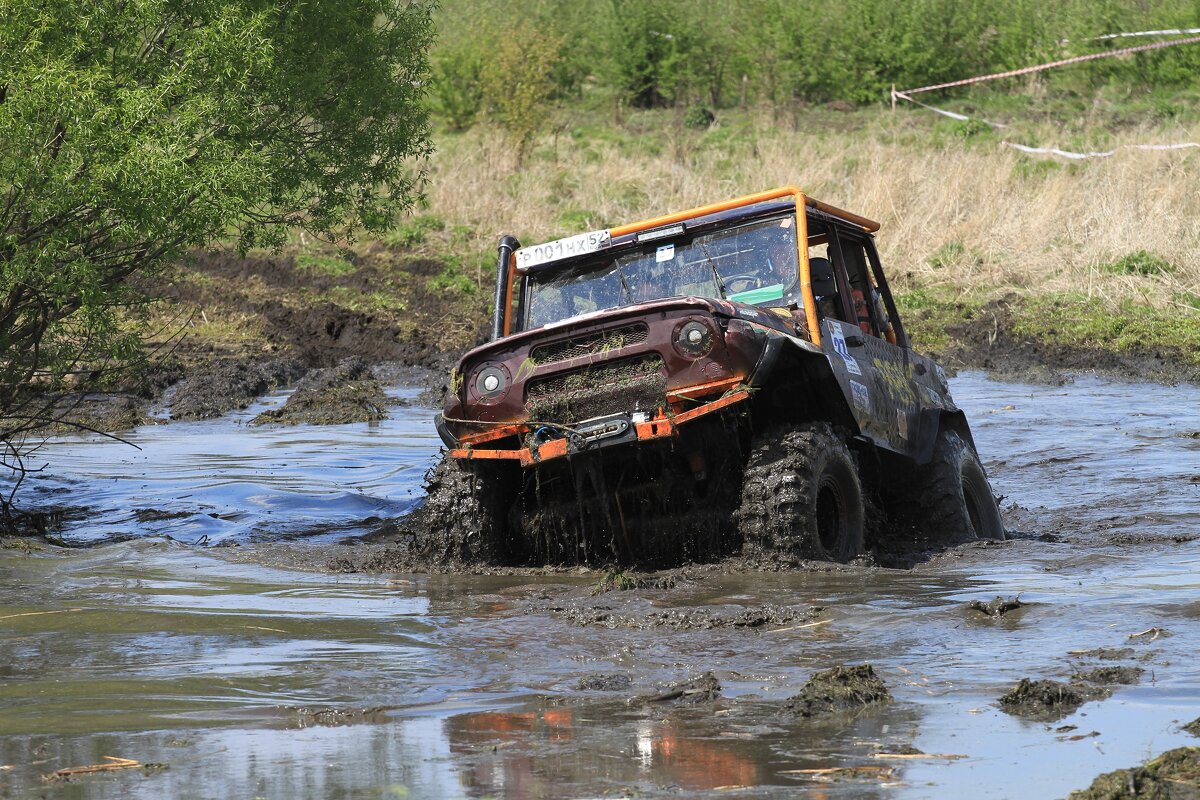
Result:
x=752 y=263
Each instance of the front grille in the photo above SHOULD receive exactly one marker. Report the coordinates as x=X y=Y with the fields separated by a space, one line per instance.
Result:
x=590 y=344
x=598 y=389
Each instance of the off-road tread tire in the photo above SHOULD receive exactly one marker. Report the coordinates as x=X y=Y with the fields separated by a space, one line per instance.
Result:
x=465 y=516
x=777 y=514
x=940 y=494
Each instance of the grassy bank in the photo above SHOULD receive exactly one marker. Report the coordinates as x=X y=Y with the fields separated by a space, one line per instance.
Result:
x=1097 y=254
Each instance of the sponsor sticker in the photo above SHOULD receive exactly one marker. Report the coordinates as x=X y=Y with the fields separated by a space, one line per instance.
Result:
x=664 y=253
x=839 y=347
x=584 y=243
x=862 y=397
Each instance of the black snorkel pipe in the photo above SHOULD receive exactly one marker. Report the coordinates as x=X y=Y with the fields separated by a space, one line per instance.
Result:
x=507 y=245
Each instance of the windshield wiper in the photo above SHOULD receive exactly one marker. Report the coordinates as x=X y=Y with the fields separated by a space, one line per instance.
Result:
x=712 y=265
x=625 y=285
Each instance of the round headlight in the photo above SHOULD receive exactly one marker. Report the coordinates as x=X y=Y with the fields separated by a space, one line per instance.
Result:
x=694 y=339
x=490 y=382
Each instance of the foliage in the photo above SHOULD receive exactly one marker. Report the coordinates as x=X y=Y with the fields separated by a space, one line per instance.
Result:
x=646 y=44
x=330 y=266
x=414 y=231
x=1142 y=262
x=720 y=52
x=136 y=129
x=698 y=117
x=456 y=86
x=519 y=84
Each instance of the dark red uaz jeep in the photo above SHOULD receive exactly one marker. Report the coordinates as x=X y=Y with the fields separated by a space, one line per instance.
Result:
x=731 y=376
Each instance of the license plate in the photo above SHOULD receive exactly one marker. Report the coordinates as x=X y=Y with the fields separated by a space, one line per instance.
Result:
x=584 y=243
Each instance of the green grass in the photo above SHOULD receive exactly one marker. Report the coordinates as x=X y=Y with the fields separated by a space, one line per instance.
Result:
x=332 y=266
x=1062 y=319
x=414 y=231
x=1142 y=262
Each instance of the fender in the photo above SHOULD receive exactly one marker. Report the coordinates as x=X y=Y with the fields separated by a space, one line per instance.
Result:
x=443 y=432
x=932 y=422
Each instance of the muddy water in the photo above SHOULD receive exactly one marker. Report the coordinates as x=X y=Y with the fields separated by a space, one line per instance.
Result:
x=249 y=681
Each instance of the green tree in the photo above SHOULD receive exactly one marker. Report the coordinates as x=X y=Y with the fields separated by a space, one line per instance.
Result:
x=519 y=84
x=457 y=86
x=647 y=50
x=133 y=130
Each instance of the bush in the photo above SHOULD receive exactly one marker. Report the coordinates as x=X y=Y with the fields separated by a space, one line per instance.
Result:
x=1142 y=262
x=519 y=85
x=699 y=117
x=456 y=86
x=413 y=231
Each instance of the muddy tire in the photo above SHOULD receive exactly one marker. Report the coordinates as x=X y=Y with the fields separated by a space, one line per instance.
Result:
x=953 y=499
x=801 y=496
x=465 y=516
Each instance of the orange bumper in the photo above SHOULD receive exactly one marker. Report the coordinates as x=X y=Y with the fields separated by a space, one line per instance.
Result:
x=659 y=427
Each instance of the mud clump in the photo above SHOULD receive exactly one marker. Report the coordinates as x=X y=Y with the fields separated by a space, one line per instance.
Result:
x=1110 y=675
x=840 y=690
x=996 y=608
x=223 y=386
x=106 y=413
x=1048 y=700
x=334 y=396
x=336 y=717
x=159 y=515
x=1175 y=775
x=704 y=689
x=1106 y=653
x=624 y=582
x=682 y=619
x=604 y=682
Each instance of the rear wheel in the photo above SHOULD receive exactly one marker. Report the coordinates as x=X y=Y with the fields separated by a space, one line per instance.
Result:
x=801 y=496
x=954 y=501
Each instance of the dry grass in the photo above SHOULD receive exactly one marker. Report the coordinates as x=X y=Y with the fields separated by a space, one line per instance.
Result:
x=961 y=214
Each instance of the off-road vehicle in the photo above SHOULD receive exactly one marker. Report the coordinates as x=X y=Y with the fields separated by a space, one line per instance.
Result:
x=731 y=376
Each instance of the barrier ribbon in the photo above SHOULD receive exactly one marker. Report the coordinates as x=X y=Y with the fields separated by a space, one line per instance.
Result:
x=1124 y=51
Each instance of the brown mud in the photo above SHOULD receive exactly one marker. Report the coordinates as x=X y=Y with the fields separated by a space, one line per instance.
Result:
x=1105 y=676
x=703 y=689
x=1048 y=700
x=1175 y=775
x=841 y=690
x=337 y=395
x=996 y=608
x=222 y=386
x=408 y=321
x=681 y=619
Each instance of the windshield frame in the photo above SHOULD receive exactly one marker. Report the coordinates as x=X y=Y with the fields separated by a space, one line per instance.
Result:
x=743 y=237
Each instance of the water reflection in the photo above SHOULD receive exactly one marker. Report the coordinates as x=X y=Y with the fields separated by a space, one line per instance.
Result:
x=222 y=480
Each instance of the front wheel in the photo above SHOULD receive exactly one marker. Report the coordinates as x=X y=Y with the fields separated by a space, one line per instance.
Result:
x=801 y=496
x=464 y=518
x=953 y=497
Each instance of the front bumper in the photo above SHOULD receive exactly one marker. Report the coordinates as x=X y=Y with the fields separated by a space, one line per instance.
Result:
x=549 y=441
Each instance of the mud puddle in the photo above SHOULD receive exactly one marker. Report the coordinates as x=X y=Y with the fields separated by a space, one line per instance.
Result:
x=251 y=681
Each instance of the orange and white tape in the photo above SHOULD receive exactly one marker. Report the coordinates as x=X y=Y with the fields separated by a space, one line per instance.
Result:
x=906 y=94
x=1054 y=151
x=1169 y=32
x=1124 y=51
